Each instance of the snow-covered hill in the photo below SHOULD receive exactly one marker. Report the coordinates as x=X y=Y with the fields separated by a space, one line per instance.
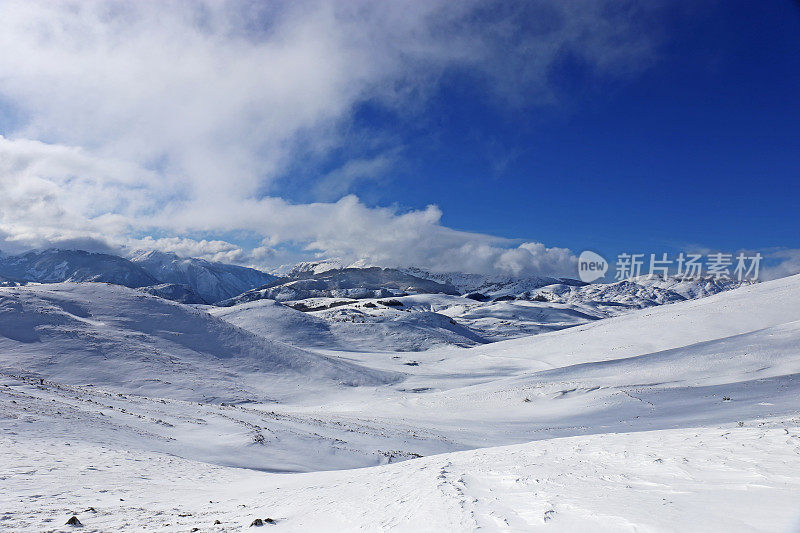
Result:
x=373 y=282
x=350 y=328
x=112 y=336
x=680 y=416
x=212 y=281
x=493 y=286
x=173 y=291
x=548 y=308
x=641 y=291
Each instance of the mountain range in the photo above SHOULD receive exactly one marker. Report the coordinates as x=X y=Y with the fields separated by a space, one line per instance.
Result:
x=212 y=281
x=197 y=281
x=354 y=283
x=189 y=280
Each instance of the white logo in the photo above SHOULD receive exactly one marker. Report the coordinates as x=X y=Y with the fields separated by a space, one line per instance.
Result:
x=591 y=266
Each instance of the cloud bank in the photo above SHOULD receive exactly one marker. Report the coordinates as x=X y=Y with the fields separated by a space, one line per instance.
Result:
x=167 y=124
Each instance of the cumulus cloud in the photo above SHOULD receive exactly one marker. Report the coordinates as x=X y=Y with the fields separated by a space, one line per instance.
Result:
x=167 y=124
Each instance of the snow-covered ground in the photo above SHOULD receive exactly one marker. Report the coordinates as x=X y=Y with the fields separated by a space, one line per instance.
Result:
x=134 y=413
x=721 y=478
x=419 y=322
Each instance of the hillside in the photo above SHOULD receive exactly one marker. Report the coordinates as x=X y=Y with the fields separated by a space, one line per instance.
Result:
x=51 y=266
x=372 y=282
x=349 y=328
x=692 y=403
x=112 y=336
x=211 y=281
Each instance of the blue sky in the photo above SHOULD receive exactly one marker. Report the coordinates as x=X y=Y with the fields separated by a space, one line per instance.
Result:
x=482 y=136
x=699 y=149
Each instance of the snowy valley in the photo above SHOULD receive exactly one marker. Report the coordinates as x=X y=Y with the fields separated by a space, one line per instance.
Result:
x=541 y=404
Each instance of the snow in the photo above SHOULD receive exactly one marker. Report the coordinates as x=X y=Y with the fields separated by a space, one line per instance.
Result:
x=162 y=416
x=146 y=269
x=53 y=265
x=175 y=292
x=350 y=328
x=115 y=336
x=701 y=479
x=373 y=282
x=211 y=281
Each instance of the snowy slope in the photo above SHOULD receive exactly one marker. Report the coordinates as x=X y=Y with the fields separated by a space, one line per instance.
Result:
x=175 y=292
x=117 y=337
x=350 y=328
x=665 y=327
x=274 y=320
x=705 y=479
x=682 y=416
x=373 y=282
x=212 y=281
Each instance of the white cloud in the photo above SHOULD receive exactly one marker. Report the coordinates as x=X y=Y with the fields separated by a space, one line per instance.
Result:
x=337 y=182
x=175 y=118
x=781 y=263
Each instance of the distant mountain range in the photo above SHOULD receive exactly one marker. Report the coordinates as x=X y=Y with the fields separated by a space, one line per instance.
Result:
x=164 y=274
x=52 y=266
x=493 y=286
x=197 y=281
x=212 y=281
x=371 y=282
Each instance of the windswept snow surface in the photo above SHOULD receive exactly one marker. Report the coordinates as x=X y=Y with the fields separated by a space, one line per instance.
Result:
x=701 y=479
x=679 y=417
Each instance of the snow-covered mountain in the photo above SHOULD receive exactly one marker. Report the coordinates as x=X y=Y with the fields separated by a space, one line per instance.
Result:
x=175 y=292
x=54 y=265
x=307 y=268
x=637 y=292
x=674 y=417
x=691 y=288
x=212 y=281
x=642 y=291
x=352 y=328
x=371 y=282
x=492 y=286
x=508 y=307
x=304 y=268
